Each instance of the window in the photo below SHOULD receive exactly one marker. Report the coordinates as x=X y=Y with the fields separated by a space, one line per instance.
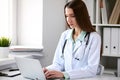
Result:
x=21 y=20
x=4 y=18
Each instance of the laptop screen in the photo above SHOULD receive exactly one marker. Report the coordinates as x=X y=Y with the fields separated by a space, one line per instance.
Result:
x=30 y=68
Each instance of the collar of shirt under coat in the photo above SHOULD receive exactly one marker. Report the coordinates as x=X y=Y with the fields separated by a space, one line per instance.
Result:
x=80 y=37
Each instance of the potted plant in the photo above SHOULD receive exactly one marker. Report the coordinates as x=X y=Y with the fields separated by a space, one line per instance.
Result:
x=4 y=47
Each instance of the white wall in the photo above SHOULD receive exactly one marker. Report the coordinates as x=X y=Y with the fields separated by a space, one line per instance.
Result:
x=53 y=26
x=29 y=22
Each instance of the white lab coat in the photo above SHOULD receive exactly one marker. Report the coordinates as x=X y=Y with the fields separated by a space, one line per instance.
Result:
x=89 y=56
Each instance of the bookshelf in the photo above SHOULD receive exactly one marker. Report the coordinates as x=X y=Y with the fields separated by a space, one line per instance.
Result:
x=106 y=14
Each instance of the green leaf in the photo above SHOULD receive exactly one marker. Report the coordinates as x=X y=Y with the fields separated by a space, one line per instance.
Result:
x=4 y=42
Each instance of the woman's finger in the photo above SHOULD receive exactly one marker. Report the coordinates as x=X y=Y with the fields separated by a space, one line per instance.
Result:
x=44 y=70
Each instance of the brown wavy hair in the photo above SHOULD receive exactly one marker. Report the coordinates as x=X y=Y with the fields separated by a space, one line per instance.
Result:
x=81 y=14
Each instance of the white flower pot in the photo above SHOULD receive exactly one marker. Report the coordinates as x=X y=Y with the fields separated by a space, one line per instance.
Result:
x=4 y=52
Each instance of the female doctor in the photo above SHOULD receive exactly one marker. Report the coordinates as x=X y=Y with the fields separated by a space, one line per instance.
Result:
x=78 y=52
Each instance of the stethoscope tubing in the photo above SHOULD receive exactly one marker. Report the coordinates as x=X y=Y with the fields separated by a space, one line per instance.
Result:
x=87 y=34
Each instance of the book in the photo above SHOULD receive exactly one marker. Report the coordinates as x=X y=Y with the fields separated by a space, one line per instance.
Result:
x=119 y=20
x=115 y=13
x=116 y=18
x=104 y=12
x=98 y=11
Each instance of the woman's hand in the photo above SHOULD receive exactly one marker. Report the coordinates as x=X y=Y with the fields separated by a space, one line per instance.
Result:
x=45 y=70
x=53 y=74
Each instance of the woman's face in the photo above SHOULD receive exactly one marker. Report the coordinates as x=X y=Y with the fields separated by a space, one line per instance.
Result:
x=70 y=17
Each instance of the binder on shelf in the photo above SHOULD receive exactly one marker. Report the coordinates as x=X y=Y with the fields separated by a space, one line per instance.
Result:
x=106 y=40
x=114 y=41
x=119 y=42
x=115 y=13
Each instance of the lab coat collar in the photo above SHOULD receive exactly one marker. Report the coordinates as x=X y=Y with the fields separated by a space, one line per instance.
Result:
x=79 y=40
x=80 y=37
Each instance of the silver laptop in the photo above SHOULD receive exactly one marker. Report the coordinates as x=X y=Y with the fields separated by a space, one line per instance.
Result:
x=30 y=68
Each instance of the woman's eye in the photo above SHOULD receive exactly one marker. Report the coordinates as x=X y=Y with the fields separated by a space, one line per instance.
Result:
x=69 y=16
x=72 y=16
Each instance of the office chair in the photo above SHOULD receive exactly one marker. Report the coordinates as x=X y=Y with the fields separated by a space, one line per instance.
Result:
x=100 y=70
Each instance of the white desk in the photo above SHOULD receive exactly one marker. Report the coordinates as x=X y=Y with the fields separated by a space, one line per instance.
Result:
x=13 y=78
x=94 y=78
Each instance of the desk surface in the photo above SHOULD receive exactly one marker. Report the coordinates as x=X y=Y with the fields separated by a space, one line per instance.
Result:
x=94 y=78
x=13 y=78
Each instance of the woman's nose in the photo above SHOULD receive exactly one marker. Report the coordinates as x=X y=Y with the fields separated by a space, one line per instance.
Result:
x=69 y=20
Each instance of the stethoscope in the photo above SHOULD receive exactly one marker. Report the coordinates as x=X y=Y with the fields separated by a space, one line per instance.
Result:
x=87 y=41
